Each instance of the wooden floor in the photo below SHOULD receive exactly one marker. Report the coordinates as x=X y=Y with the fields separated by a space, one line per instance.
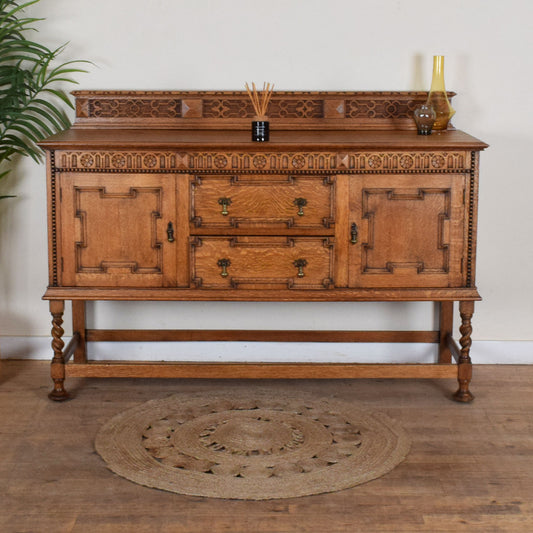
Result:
x=470 y=467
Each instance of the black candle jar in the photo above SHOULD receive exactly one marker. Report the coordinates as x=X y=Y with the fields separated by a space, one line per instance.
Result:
x=260 y=130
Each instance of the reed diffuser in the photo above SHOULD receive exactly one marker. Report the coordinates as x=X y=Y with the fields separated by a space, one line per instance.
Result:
x=260 y=100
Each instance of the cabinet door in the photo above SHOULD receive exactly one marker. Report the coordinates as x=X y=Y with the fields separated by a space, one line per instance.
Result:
x=409 y=230
x=114 y=230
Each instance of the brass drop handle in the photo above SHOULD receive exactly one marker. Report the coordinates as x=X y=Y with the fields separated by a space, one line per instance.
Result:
x=170 y=232
x=224 y=202
x=354 y=233
x=300 y=203
x=224 y=264
x=300 y=264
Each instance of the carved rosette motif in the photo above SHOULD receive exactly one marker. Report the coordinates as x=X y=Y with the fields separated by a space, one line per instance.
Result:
x=259 y=161
x=86 y=160
x=118 y=160
x=220 y=161
x=150 y=161
x=357 y=162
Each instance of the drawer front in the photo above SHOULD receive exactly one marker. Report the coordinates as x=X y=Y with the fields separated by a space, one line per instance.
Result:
x=262 y=262
x=261 y=201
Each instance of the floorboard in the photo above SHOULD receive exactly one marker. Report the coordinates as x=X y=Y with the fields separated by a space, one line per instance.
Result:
x=470 y=468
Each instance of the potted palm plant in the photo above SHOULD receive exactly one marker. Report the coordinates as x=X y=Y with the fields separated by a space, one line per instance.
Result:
x=32 y=102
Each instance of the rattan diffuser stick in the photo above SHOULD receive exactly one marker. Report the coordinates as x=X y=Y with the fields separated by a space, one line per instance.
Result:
x=260 y=99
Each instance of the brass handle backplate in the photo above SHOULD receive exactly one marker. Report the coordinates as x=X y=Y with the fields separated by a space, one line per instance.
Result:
x=354 y=233
x=300 y=203
x=300 y=264
x=170 y=232
x=224 y=202
x=224 y=264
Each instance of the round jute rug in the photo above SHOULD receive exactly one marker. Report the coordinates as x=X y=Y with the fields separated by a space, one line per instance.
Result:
x=255 y=446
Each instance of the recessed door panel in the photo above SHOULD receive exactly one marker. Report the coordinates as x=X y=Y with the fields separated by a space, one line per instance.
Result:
x=118 y=230
x=409 y=231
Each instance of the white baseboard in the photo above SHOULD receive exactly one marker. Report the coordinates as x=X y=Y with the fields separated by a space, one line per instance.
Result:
x=482 y=352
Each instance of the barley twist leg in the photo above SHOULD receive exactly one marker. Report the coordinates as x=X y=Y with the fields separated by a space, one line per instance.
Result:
x=464 y=365
x=57 y=368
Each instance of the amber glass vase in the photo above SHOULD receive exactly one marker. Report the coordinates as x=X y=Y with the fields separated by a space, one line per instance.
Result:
x=437 y=97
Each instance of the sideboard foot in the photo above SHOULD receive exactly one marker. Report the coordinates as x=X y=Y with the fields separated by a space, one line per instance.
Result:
x=58 y=393
x=463 y=396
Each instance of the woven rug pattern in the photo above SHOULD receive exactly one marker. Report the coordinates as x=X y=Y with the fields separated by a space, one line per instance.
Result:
x=253 y=446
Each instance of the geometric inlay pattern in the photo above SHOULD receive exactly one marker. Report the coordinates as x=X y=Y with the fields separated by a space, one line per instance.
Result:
x=134 y=108
x=372 y=108
x=169 y=105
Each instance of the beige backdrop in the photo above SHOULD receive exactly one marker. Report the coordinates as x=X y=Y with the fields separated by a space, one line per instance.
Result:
x=303 y=45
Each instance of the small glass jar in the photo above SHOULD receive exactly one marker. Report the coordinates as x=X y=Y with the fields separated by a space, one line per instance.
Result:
x=424 y=118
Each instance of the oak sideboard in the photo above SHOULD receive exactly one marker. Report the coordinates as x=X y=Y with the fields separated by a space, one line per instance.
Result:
x=162 y=195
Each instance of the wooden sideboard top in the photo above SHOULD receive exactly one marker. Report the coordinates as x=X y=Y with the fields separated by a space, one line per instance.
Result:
x=88 y=138
x=210 y=120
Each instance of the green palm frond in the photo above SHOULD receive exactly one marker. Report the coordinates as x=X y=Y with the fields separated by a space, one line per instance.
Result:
x=32 y=102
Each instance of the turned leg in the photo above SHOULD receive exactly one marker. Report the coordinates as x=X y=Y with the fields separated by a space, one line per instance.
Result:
x=464 y=369
x=57 y=370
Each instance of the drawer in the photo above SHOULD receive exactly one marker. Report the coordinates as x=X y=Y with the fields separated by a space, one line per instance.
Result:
x=262 y=262
x=262 y=201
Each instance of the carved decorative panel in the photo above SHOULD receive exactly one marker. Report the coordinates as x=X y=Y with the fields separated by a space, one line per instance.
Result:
x=380 y=108
x=367 y=162
x=117 y=161
x=133 y=108
x=212 y=108
x=297 y=108
x=227 y=108
x=404 y=162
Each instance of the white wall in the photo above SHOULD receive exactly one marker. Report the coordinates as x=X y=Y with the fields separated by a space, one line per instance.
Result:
x=299 y=45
